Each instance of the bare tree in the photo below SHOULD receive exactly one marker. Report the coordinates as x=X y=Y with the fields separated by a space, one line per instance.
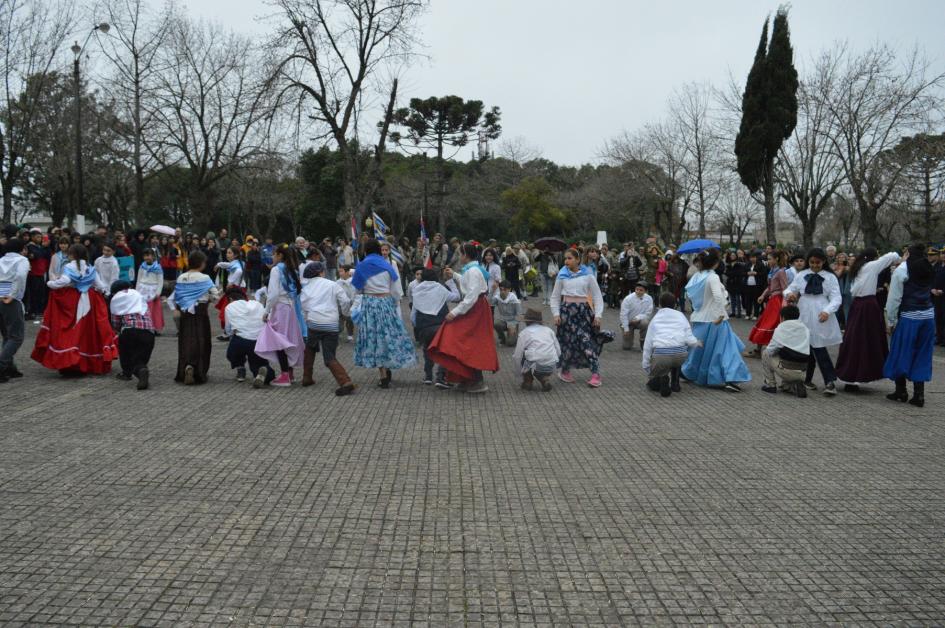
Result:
x=133 y=49
x=700 y=137
x=738 y=211
x=334 y=52
x=875 y=100
x=519 y=150
x=212 y=105
x=32 y=33
x=808 y=172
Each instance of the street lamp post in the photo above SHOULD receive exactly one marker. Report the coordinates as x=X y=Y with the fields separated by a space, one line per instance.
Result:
x=79 y=182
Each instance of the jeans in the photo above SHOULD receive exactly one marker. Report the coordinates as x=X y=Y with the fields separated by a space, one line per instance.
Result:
x=821 y=358
x=11 y=328
x=134 y=349
x=327 y=340
x=548 y=284
x=332 y=274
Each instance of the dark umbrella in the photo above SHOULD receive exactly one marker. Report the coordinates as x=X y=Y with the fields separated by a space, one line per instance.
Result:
x=555 y=245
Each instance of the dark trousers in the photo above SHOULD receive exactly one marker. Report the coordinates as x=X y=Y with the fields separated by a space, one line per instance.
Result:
x=425 y=337
x=939 y=303
x=134 y=349
x=11 y=328
x=36 y=292
x=735 y=297
x=243 y=350
x=254 y=279
x=516 y=284
x=819 y=357
x=750 y=296
x=327 y=341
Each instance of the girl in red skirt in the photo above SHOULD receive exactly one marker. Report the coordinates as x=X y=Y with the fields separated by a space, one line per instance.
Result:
x=464 y=345
x=771 y=316
x=76 y=335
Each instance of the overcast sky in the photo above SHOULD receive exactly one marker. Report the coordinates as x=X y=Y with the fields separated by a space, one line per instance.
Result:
x=570 y=74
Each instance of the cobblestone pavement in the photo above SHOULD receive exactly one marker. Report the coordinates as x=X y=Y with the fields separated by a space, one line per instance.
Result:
x=223 y=505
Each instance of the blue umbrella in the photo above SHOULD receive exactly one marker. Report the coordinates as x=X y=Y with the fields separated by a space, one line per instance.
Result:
x=697 y=246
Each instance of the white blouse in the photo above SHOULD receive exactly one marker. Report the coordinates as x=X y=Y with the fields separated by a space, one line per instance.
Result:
x=713 y=302
x=583 y=287
x=381 y=283
x=234 y=272
x=472 y=283
x=865 y=283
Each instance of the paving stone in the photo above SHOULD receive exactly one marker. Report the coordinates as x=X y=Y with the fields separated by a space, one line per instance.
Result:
x=221 y=505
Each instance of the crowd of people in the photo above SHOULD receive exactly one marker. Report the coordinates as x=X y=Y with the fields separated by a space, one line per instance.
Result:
x=104 y=296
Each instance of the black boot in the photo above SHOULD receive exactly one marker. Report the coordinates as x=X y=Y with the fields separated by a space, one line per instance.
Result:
x=918 y=394
x=653 y=383
x=674 y=380
x=664 y=386
x=901 y=393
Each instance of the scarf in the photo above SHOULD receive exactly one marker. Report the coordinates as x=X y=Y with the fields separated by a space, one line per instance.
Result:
x=815 y=284
x=479 y=267
x=371 y=265
x=186 y=294
x=291 y=289
x=771 y=273
x=566 y=273
x=82 y=283
x=128 y=302
x=695 y=289
x=153 y=267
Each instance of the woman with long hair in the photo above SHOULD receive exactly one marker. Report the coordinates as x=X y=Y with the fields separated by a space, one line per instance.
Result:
x=382 y=341
x=863 y=350
x=735 y=269
x=232 y=272
x=464 y=344
x=282 y=340
x=909 y=308
x=76 y=335
x=771 y=316
x=491 y=264
x=717 y=361
x=577 y=306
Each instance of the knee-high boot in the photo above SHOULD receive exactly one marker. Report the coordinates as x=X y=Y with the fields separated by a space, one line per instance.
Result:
x=308 y=363
x=345 y=387
x=918 y=394
x=674 y=380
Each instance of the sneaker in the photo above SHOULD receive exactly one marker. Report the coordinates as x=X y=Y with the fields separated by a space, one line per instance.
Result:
x=810 y=385
x=565 y=376
x=770 y=389
x=188 y=375
x=143 y=375
x=260 y=380
x=732 y=387
x=122 y=377
x=241 y=375
x=3 y=378
x=223 y=338
x=13 y=373
x=350 y=338
x=442 y=384
x=801 y=391
x=283 y=381
x=427 y=381
x=851 y=388
x=830 y=389
x=594 y=381
x=477 y=388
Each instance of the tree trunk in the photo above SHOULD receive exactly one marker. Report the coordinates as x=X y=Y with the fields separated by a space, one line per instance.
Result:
x=807 y=233
x=871 y=236
x=771 y=230
x=927 y=205
x=7 y=187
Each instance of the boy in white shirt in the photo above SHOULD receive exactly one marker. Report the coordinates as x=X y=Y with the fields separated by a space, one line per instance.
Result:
x=243 y=321
x=14 y=269
x=106 y=269
x=537 y=352
x=324 y=302
x=505 y=317
x=635 y=312
x=666 y=346
x=411 y=286
x=787 y=354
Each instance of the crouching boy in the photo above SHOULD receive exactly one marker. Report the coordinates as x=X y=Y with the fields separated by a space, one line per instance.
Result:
x=132 y=322
x=786 y=356
x=243 y=320
x=507 y=311
x=668 y=340
x=537 y=352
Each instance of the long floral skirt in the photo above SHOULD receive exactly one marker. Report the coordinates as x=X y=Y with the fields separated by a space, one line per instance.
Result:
x=580 y=343
x=382 y=339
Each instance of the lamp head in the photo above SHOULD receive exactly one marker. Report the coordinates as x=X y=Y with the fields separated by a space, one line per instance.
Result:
x=103 y=27
x=76 y=49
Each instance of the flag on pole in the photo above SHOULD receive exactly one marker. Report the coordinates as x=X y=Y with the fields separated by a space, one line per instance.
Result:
x=427 y=262
x=354 y=231
x=379 y=234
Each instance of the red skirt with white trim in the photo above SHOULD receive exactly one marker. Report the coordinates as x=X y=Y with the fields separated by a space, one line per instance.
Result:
x=86 y=346
x=466 y=344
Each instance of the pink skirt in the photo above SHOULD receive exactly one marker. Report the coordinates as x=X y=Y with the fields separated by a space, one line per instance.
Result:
x=156 y=310
x=281 y=333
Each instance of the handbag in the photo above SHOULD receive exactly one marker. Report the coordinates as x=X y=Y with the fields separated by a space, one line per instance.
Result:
x=553 y=269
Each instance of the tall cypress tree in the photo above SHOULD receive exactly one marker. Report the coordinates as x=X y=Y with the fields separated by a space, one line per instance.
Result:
x=769 y=113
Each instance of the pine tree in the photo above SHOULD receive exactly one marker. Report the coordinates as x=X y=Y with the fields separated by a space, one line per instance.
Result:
x=769 y=113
